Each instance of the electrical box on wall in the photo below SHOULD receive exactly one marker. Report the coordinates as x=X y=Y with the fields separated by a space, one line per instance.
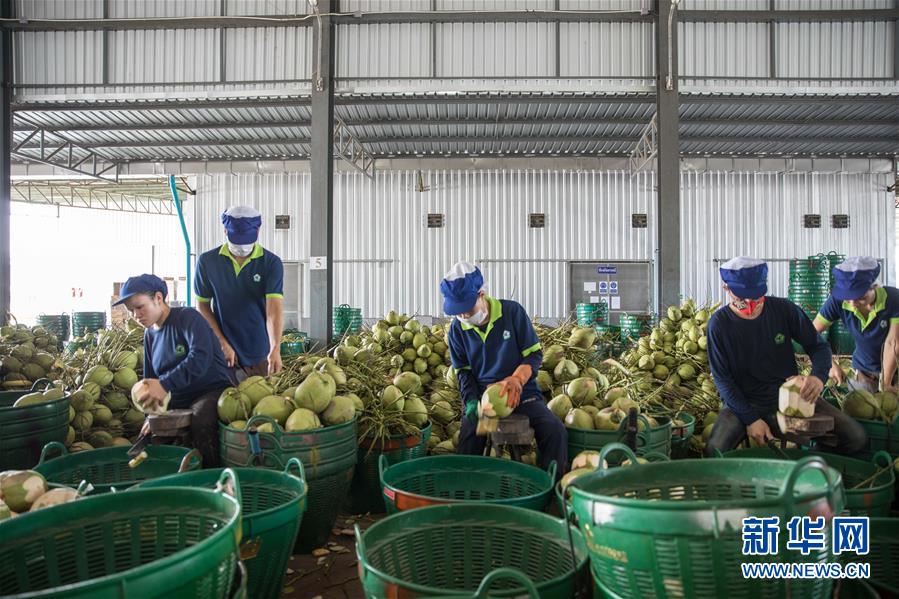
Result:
x=625 y=286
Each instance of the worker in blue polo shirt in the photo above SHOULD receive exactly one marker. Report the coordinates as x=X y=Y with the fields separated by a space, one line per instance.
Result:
x=750 y=349
x=490 y=341
x=239 y=289
x=871 y=314
x=182 y=357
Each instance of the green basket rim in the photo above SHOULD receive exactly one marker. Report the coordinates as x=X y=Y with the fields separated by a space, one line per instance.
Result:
x=111 y=498
x=507 y=464
x=691 y=505
x=483 y=509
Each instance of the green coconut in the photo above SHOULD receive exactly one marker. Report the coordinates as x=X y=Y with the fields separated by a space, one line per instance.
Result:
x=889 y=403
x=452 y=380
x=329 y=366
x=572 y=476
x=577 y=418
x=686 y=372
x=492 y=404
x=560 y=405
x=44 y=360
x=100 y=375
x=92 y=390
x=256 y=387
x=238 y=424
x=442 y=411
x=10 y=364
x=21 y=488
x=233 y=405
x=608 y=419
x=116 y=400
x=30 y=399
x=124 y=378
x=315 y=392
x=392 y=399
x=133 y=417
x=660 y=372
x=420 y=366
x=582 y=337
x=565 y=370
x=340 y=410
x=124 y=359
x=72 y=413
x=358 y=404
x=415 y=411
x=33 y=372
x=408 y=382
x=70 y=437
x=862 y=405
x=344 y=354
x=301 y=419
x=625 y=404
x=102 y=415
x=544 y=381
x=582 y=390
x=276 y=407
x=100 y=438
x=586 y=459
x=553 y=355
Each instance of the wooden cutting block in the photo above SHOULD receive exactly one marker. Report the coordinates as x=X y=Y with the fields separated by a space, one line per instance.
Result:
x=818 y=424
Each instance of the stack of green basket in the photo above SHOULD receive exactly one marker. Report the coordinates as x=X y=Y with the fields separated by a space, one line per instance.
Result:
x=634 y=326
x=87 y=322
x=345 y=320
x=328 y=456
x=809 y=286
x=589 y=315
x=58 y=324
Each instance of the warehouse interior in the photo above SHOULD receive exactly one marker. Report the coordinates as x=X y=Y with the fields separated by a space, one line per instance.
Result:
x=611 y=153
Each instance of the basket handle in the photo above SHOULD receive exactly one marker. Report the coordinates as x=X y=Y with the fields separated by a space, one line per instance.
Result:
x=263 y=418
x=299 y=465
x=50 y=447
x=506 y=574
x=382 y=467
x=808 y=463
x=360 y=547
x=192 y=456
x=612 y=448
x=718 y=453
x=553 y=467
x=84 y=488
x=882 y=459
x=642 y=436
x=227 y=483
x=655 y=456
x=44 y=382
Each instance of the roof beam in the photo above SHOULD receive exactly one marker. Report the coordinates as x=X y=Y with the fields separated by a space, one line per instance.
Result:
x=166 y=104
x=52 y=149
x=787 y=16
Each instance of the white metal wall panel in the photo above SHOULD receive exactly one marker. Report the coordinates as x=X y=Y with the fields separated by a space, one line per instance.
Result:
x=388 y=50
x=268 y=53
x=760 y=214
x=835 y=50
x=495 y=5
x=266 y=7
x=132 y=9
x=607 y=50
x=164 y=55
x=386 y=258
x=57 y=9
x=724 y=4
x=723 y=50
x=58 y=57
x=384 y=5
x=496 y=50
x=831 y=4
x=628 y=5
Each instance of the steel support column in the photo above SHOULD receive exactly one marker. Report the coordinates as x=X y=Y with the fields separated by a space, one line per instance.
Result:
x=6 y=12
x=321 y=216
x=668 y=242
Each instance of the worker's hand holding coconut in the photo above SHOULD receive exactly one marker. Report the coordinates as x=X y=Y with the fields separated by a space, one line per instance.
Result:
x=836 y=374
x=759 y=431
x=511 y=386
x=810 y=387
x=151 y=395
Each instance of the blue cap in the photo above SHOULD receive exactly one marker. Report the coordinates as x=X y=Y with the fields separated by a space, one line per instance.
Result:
x=460 y=288
x=747 y=278
x=854 y=277
x=141 y=284
x=242 y=224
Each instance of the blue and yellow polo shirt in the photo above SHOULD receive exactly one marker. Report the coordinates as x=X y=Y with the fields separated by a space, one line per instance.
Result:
x=238 y=293
x=869 y=332
x=494 y=353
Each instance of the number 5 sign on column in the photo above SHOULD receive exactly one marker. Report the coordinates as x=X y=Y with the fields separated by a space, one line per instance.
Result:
x=318 y=263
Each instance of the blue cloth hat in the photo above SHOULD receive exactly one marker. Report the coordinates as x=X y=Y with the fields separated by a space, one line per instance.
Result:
x=854 y=277
x=242 y=224
x=141 y=284
x=747 y=278
x=460 y=288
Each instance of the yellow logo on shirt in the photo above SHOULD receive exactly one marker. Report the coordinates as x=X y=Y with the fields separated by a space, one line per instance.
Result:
x=179 y=350
x=779 y=338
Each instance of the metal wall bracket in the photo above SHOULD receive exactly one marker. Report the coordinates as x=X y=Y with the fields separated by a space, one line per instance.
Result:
x=351 y=151
x=50 y=148
x=646 y=148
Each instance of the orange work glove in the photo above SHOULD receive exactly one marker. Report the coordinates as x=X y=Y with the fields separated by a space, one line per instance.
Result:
x=511 y=385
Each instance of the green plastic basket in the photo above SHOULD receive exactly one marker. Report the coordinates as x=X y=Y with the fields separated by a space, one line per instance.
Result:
x=454 y=551
x=589 y=315
x=365 y=491
x=328 y=456
x=24 y=431
x=87 y=322
x=883 y=555
x=633 y=326
x=165 y=543
x=446 y=479
x=107 y=469
x=871 y=500
x=675 y=529
x=651 y=439
x=680 y=435
x=272 y=506
x=881 y=437
x=58 y=324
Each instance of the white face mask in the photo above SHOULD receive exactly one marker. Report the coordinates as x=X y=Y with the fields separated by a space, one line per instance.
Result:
x=241 y=250
x=475 y=320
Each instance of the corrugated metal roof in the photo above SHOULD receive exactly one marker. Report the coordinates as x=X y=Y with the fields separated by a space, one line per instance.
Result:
x=268 y=127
